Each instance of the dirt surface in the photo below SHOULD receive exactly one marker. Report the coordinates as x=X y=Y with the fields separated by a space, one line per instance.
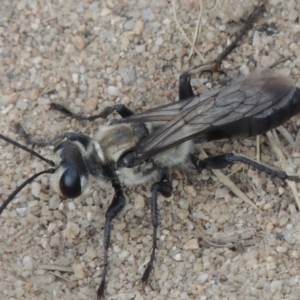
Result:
x=91 y=54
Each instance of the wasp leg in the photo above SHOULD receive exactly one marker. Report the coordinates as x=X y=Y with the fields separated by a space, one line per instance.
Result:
x=185 y=88
x=121 y=109
x=224 y=160
x=115 y=207
x=214 y=66
x=164 y=187
x=36 y=141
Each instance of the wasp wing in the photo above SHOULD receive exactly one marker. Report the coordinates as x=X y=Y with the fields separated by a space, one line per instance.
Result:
x=255 y=97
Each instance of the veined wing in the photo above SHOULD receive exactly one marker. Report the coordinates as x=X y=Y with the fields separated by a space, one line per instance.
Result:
x=254 y=97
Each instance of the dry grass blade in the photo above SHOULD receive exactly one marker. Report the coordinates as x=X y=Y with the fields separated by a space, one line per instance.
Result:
x=198 y=28
x=296 y=147
x=278 y=143
x=59 y=276
x=227 y=239
x=56 y=268
x=280 y=155
x=230 y=184
x=233 y=236
x=258 y=148
x=183 y=33
x=240 y=167
x=278 y=62
x=286 y=135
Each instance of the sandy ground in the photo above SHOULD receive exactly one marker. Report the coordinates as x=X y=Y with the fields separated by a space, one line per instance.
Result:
x=91 y=54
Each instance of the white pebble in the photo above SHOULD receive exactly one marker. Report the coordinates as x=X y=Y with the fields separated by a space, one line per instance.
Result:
x=159 y=41
x=113 y=90
x=28 y=263
x=33 y=203
x=202 y=278
x=43 y=101
x=222 y=27
x=75 y=78
x=140 y=48
x=90 y=254
x=105 y=12
x=71 y=206
x=221 y=193
x=281 y=249
x=139 y=202
x=191 y=190
x=281 y=190
x=22 y=104
x=256 y=39
x=177 y=257
x=54 y=202
x=288 y=234
x=21 y=210
x=123 y=254
x=276 y=286
x=51 y=227
x=244 y=69
x=7 y=109
x=35 y=189
x=89 y=216
x=35 y=26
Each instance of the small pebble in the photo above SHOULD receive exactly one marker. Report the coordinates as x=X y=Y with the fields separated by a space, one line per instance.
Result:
x=78 y=42
x=192 y=244
x=78 y=271
x=177 y=257
x=105 y=12
x=139 y=27
x=28 y=263
x=72 y=230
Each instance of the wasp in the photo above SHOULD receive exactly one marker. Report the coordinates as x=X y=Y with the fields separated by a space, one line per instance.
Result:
x=144 y=146
x=141 y=147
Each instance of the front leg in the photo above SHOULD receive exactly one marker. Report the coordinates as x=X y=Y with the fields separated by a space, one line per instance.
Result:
x=33 y=140
x=164 y=187
x=121 y=109
x=115 y=207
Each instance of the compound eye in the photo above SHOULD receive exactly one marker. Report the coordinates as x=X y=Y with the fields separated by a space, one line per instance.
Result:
x=70 y=183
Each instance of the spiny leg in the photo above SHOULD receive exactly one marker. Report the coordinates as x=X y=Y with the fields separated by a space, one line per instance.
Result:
x=215 y=65
x=225 y=160
x=185 y=89
x=36 y=141
x=115 y=207
x=121 y=109
x=164 y=187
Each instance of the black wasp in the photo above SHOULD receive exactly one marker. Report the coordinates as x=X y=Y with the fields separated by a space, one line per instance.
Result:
x=144 y=146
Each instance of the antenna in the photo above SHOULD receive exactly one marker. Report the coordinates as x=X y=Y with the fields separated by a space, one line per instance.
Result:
x=19 y=188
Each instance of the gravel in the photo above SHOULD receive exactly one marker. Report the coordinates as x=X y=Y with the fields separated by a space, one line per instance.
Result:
x=91 y=54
